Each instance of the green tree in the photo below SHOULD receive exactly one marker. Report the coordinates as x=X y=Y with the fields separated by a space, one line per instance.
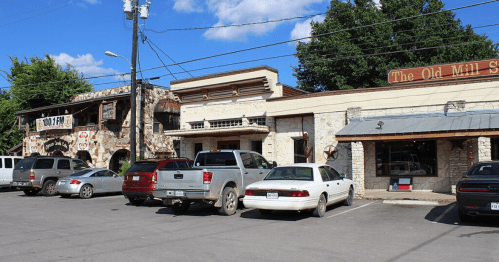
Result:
x=41 y=82
x=361 y=58
x=35 y=83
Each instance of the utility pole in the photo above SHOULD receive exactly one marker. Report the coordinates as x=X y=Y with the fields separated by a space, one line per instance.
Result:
x=133 y=88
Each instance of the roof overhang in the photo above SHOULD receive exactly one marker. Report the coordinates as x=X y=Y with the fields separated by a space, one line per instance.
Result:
x=454 y=126
x=257 y=80
x=218 y=132
x=82 y=102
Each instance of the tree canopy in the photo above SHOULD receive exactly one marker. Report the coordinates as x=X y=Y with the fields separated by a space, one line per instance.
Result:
x=342 y=57
x=36 y=82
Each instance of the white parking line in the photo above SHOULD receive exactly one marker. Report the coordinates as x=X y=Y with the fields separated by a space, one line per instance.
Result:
x=444 y=213
x=349 y=210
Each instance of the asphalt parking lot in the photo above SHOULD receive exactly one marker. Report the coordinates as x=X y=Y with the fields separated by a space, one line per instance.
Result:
x=107 y=228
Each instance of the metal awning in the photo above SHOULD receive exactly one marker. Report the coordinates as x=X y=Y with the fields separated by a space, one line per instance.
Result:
x=421 y=126
x=167 y=106
x=86 y=101
x=217 y=132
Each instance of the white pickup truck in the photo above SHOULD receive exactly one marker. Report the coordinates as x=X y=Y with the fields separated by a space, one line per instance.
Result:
x=218 y=177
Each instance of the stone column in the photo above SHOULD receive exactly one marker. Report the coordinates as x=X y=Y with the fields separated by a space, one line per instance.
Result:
x=358 y=168
x=458 y=162
x=484 y=149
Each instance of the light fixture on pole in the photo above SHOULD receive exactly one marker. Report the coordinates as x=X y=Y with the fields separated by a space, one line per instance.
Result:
x=111 y=54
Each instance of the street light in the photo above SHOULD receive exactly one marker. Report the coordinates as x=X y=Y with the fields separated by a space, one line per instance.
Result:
x=111 y=54
x=133 y=105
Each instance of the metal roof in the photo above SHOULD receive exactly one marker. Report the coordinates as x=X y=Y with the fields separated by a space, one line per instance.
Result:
x=392 y=125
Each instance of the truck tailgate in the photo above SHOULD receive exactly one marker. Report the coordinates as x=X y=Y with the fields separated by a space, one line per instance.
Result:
x=180 y=179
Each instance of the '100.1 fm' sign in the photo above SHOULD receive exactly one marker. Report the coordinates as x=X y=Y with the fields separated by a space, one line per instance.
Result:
x=54 y=122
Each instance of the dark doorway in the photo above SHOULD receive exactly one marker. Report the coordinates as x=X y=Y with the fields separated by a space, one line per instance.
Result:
x=84 y=155
x=118 y=158
x=197 y=147
x=232 y=144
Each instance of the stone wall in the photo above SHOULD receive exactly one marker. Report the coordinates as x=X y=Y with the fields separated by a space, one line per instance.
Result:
x=358 y=175
x=289 y=129
x=458 y=162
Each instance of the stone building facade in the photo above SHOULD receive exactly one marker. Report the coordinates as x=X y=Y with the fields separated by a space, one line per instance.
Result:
x=105 y=142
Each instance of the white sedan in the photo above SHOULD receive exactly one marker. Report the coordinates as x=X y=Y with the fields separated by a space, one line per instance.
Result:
x=299 y=187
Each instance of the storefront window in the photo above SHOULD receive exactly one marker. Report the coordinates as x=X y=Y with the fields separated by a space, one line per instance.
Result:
x=300 y=151
x=406 y=158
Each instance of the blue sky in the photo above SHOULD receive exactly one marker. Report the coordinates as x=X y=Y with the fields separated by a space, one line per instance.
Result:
x=78 y=32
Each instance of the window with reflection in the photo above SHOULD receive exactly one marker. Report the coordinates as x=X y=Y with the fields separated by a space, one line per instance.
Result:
x=406 y=158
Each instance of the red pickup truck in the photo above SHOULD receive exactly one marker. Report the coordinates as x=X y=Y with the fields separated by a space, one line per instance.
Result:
x=142 y=177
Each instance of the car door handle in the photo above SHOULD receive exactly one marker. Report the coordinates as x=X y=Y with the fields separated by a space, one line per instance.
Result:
x=260 y=173
x=327 y=184
x=246 y=172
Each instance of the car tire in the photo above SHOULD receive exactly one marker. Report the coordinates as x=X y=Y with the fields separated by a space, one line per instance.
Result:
x=463 y=217
x=229 y=202
x=180 y=208
x=265 y=212
x=136 y=201
x=349 y=200
x=320 y=210
x=31 y=192
x=48 y=188
x=86 y=191
x=65 y=195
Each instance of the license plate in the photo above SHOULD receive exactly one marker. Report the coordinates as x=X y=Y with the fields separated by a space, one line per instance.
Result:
x=170 y=193
x=494 y=206
x=62 y=182
x=20 y=183
x=179 y=193
x=272 y=195
x=136 y=178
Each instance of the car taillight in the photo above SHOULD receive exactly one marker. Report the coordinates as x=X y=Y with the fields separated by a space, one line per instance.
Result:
x=474 y=188
x=207 y=177
x=77 y=182
x=155 y=177
x=280 y=193
x=31 y=175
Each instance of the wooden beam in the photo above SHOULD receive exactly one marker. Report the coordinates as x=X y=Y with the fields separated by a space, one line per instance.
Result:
x=412 y=136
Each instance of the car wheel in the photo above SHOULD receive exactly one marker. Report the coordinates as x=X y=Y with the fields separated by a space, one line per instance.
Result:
x=229 y=202
x=31 y=192
x=320 y=210
x=48 y=188
x=136 y=201
x=349 y=200
x=86 y=191
x=463 y=217
x=265 y=212
x=65 y=195
x=179 y=208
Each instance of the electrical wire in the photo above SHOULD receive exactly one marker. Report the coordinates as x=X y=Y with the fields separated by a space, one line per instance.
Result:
x=161 y=60
x=149 y=40
x=238 y=25
x=31 y=11
x=21 y=20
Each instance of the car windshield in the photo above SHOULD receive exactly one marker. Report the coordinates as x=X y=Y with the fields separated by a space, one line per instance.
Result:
x=81 y=173
x=290 y=173
x=485 y=169
x=143 y=167
x=25 y=163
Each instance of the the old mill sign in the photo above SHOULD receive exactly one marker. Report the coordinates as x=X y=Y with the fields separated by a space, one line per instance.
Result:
x=446 y=71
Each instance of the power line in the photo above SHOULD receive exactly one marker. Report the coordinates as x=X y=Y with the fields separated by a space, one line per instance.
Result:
x=238 y=25
x=325 y=34
x=33 y=10
x=15 y=22
x=149 y=41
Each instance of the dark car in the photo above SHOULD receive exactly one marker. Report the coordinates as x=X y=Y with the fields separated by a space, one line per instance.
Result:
x=477 y=193
x=141 y=178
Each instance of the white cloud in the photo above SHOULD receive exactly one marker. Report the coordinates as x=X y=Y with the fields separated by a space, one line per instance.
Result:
x=187 y=6
x=230 y=12
x=85 y=64
x=303 y=29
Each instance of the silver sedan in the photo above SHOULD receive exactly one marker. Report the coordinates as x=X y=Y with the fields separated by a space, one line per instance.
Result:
x=88 y=182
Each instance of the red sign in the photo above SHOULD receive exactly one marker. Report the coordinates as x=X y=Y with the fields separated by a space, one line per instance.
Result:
x=447 y=71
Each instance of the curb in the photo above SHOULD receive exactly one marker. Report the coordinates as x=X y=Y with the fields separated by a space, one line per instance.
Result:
x=412 y=202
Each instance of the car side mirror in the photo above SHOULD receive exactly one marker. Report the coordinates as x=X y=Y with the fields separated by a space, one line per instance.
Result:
x=274 y=164
x=115 y=175
x=343 y=176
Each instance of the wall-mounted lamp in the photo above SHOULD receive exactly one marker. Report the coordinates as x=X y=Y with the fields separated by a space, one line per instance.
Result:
x=380 y=125
x=43 y=114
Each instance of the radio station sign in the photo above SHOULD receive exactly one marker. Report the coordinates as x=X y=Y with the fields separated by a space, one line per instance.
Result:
x=54 y=122
x=447 y=71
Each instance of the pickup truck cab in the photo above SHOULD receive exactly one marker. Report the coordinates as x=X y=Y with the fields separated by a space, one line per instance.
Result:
x=218 y=177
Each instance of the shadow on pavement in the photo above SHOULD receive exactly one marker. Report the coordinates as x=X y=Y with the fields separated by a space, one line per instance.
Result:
x=194 y=210
x=448 y=214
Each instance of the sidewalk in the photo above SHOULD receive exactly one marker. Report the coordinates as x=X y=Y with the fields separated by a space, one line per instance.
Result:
x=441 y=198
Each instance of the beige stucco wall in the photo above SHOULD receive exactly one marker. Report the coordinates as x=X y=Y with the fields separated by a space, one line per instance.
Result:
x=289 y=129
